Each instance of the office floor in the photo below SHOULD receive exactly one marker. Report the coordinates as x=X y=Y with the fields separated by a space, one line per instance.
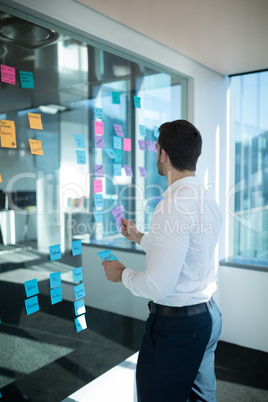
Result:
x=43 y=358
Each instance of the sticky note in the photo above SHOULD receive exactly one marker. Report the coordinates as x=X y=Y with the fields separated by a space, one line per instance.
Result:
x=151 y=145
x=117 y=169
x=107 y=255
x=77 y=274
x=31 y=287
x=99 y=127
x=128 y=170
x=81 y=157
x=79 y=291
x=8 y=134
x=127 y=144
x=137 y=101
x=31 y=305
x=79 y=141
x=116 y=97
x=76 y=247
x=79 y=307
x=97 y=185
x=99 y=141
x=98 y=215
x=98 y=113
x=35 y=121
x=142 y=130
x=117 y=141
x=1 y=180
x=55 y=295
x=118 y=154
x=80 y=323
x=99 y=170
x=118 y=214
x=110 y=152
x=98 y=199
x=36 y=147
x=142 y=171
x=142 y=145
x=156 y=132
x=55 y=253
x=26 y=79
x=55 y=280
x=118 y=130
x=8 y=74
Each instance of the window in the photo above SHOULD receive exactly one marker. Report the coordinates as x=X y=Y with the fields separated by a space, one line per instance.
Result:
x=251 y=165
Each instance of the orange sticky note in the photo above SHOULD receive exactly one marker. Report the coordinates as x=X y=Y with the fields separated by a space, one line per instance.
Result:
x=8 y=134
x=35 y=121
x=1 y=179
x=36 y=147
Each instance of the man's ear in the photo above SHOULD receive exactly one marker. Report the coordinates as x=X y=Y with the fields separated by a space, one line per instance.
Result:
x=163 y=156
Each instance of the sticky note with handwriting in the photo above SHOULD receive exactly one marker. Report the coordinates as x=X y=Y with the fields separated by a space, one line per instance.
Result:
x=26 y=79
x=80 y=323
x=97 y=186
x=137 y=101
x=118 y=130
x=77 y=274
x=116 y=97
x=99 y=127
x=55 y=280
x=31 y=287
x=117 y=169
x=128 y=170
x=36 y=147
x=31 y=305
x=8 y=134
x=142 y=171
x=99 y=170
x=117 y=141
x=81 y=157
x=127 y=144
x=98 y=113
x=98 y=199
x=55 y=253
x=35 y=121
x=79 y=140
x=99 y=141
x=107 y=255
x=55 y=295
x=77 y=247
x=118 y=158
x=118 y=214
x=98 y=215
x=79 y=307
x=142 y=145
x=8 y=74
x=79 y=291
x=142 y=130
x=110 y=152
x=151 y=145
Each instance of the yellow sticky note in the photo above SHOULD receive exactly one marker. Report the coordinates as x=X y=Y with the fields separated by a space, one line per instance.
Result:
x=1 y=180
x=36 y=147
x=35 y=121
x=8 y=134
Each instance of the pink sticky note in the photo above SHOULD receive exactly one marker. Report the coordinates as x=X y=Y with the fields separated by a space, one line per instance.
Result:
x=142 y=171
x=128 y=170
x=127 y=144
x=99 y=127
x=97 y=184
x=142 y=145
x=118 y=130
x=99 y=141
x=8 y=74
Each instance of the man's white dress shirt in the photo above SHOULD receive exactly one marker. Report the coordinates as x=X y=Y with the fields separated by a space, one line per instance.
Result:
x=179 y=246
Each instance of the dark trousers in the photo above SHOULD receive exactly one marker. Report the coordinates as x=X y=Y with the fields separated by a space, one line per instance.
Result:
x=170 y=355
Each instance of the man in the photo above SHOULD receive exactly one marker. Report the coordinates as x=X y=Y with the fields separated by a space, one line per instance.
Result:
x=176 y=358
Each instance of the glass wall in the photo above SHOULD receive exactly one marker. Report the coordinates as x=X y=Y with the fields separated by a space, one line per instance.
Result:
x=251 y=165
x=79 y=125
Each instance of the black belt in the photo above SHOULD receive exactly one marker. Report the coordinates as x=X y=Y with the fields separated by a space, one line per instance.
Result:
x=184 y=311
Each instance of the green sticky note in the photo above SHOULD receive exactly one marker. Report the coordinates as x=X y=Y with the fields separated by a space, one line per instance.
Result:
x=26 y=79
x=116 y=98
x=137 y=101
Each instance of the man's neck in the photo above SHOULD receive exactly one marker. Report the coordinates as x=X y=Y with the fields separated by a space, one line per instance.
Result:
x=174 y=175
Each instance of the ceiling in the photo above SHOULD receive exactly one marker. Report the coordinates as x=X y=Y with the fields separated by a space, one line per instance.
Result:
x=228 y=36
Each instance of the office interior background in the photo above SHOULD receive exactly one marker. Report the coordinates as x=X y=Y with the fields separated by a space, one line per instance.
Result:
x=127 y=66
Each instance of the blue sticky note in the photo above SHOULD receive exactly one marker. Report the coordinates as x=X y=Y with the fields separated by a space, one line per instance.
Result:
x=79 y=140
x=55 y=280
x=137 y=101
x=81 y=157
x=142 y=130
x=77 y=247
x=156 y=132
x=55 y=253
x=31 y=287
x=98 y=215
x=117 y=169
x=107 y=255
x=99 y=113
x=79 y=307
x=77 y=274
x=117 y=142
x=31 y=305
x=118 y=154
x=79 y=291
x=26 y=79
x=110 y=152
x=55 y=295
x=98 y=199
x=80 y=323
x=116 y=97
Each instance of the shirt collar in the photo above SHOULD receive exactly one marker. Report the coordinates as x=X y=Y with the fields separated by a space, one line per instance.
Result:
x=193 y=180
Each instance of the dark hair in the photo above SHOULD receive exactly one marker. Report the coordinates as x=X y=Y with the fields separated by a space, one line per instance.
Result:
x=182 y=142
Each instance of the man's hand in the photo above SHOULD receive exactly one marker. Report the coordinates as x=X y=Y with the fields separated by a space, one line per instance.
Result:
x=113 y=270
x=130 y=231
